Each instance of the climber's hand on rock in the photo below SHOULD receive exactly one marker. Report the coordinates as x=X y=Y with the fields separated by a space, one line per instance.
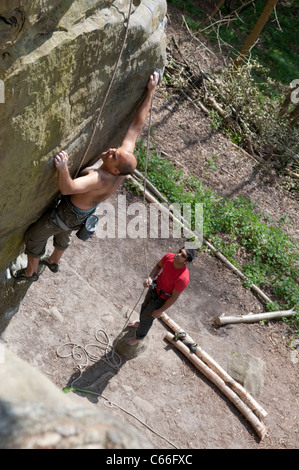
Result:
x=61 y=159
x=153 y=81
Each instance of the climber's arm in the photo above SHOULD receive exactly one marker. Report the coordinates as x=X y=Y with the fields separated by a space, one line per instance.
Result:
x=140 y=116
x=67 y=185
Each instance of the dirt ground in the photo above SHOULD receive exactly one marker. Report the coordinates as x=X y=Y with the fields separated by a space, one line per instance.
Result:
x=100 y=281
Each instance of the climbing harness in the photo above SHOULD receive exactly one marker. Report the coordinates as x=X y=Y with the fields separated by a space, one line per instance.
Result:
x=158 y=290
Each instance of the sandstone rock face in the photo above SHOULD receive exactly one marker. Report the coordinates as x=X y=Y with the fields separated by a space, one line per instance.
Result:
x=35 y=414
x=56 y=62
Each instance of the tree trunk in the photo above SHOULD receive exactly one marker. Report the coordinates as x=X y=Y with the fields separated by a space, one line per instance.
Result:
x=250 y=41
x=212 y=364
x=214 y=12
x=251 y=317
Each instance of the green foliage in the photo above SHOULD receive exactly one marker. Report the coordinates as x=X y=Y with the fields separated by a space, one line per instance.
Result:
x=271 y=257
x=253 y=112
x=68 y=389
x=275 y=50
x=250 y=95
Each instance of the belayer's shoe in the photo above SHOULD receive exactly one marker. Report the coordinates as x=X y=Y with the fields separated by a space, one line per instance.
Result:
x=52 y=266
x=22 y=276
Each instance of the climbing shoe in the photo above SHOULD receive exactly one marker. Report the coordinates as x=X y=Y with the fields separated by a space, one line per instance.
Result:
x=22 y=276
x=52 y=266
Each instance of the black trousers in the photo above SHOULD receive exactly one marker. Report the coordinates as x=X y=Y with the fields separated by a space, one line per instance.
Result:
x=151 y=302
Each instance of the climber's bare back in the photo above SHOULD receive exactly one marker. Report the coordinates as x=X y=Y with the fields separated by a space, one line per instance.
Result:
x=107 y=185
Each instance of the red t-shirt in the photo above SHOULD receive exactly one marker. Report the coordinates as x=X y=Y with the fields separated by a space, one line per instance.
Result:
x=172 y=278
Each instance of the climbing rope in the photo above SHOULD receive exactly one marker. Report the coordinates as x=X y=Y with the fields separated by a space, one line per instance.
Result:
x=145 y=176
x=144 y=200
x=112 y=404
x=111 y=358
x=108 y=89
x=148 y=136
x=106 y=352
x=144 y=243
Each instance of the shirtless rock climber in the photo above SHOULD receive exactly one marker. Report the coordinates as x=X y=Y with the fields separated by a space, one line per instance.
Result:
x=82 y=195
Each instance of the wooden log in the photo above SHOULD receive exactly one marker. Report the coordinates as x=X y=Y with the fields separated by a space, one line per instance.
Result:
x=198 y=105
x=251 y=318
x=258 y=426
x=229 y=381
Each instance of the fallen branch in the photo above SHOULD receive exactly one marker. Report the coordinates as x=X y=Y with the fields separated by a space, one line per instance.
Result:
x=258 y=426
x=164 y=208
x=229 y=381
x=246 y=153
x=293 y=174
x=198 y=105
x=251 y=318
x=211 y=16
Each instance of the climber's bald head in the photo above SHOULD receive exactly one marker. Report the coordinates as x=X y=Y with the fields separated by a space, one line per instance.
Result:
x=126 y=162
x=119 y=161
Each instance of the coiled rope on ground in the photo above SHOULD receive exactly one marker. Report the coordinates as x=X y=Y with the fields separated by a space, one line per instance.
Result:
x=79 y=351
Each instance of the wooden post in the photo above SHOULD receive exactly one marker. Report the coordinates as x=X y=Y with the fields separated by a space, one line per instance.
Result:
x=251 y=317
x=229 y=381
x=258 y=426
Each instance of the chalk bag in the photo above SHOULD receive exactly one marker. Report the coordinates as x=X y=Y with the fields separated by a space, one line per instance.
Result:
x=88 y=228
